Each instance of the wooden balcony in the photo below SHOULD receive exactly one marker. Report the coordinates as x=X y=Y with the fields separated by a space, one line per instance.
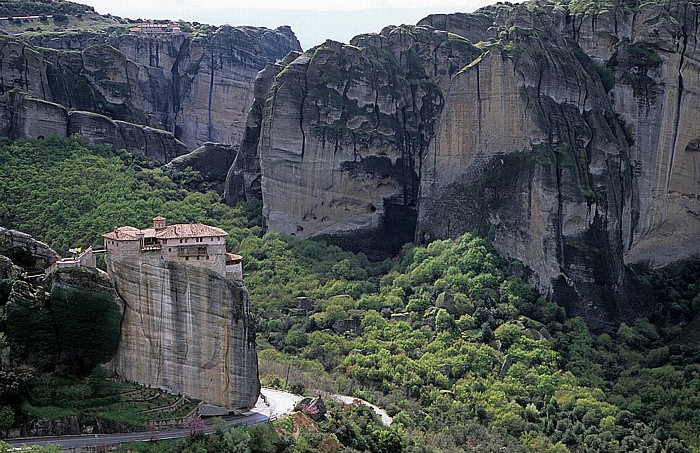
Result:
x=191 y=251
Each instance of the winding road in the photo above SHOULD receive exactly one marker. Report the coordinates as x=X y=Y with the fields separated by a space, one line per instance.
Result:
x=273 y=404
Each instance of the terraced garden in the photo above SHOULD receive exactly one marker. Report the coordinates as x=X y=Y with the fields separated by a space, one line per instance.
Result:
x=53 y=396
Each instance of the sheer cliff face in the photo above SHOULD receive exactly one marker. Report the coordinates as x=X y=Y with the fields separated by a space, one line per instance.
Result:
x=656 y=96
x=195 y=86
x=185 y=329
x=569 y=137
x=343 y=132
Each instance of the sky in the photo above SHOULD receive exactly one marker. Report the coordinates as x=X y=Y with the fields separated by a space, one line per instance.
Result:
x=313 y=21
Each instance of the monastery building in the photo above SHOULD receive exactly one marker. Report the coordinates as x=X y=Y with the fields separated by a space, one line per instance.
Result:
x=193 y=244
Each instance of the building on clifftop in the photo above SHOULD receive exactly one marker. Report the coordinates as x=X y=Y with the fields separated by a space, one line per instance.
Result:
x=203 y=245
x=186 y=324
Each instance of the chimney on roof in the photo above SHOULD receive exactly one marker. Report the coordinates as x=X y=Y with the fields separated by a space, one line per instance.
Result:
x=158 y=222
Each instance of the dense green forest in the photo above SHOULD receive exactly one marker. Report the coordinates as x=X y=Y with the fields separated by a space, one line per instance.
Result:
x=448 y=338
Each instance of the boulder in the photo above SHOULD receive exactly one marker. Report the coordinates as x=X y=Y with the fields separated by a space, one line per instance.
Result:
x=211 y=160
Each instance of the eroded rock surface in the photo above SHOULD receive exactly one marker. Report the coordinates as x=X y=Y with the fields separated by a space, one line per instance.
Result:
x=568 y=136
x=343 y=133
x=26 y=251
x=211 y=160
x=196 y=86
x=186 y=329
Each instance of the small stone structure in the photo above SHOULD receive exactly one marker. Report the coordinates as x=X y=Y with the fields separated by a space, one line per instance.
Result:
x=84 y=259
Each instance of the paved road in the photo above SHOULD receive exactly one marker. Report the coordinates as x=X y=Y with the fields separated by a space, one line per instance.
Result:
x=279 y=404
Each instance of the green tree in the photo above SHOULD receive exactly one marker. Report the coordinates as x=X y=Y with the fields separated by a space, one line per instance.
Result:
x=237 y=440
x=7 y=419
x=97 y=380
x=87 y=325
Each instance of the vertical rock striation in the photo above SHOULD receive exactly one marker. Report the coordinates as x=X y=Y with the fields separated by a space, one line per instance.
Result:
x=343 y=132
x=568 y=134
x=196 y=86
x=185 y=329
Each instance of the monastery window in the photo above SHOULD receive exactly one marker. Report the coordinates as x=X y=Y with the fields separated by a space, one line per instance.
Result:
x=187 y=258
x=169 y=249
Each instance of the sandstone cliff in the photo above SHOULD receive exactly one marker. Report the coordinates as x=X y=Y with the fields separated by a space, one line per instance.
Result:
x=605 y=179
x=187 y=330
x=568 y=133
x=195 y=85
x=343 y=132
x=24 y=116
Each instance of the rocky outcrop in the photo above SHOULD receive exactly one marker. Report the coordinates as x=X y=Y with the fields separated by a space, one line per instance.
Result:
x=568 y=136
x=196 y=86
x=343 y=132
x=211 y=160
x=26 y=251
x=243 y=178
x=187 y=330
x=84 y=278
x=24 y=116
x=641 y=58
x=528 y=151
x=656 y=91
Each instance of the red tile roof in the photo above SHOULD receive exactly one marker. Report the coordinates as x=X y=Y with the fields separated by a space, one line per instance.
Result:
x=233 y=257
x=189 y=230
x=182 y=230
x=125 y=233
